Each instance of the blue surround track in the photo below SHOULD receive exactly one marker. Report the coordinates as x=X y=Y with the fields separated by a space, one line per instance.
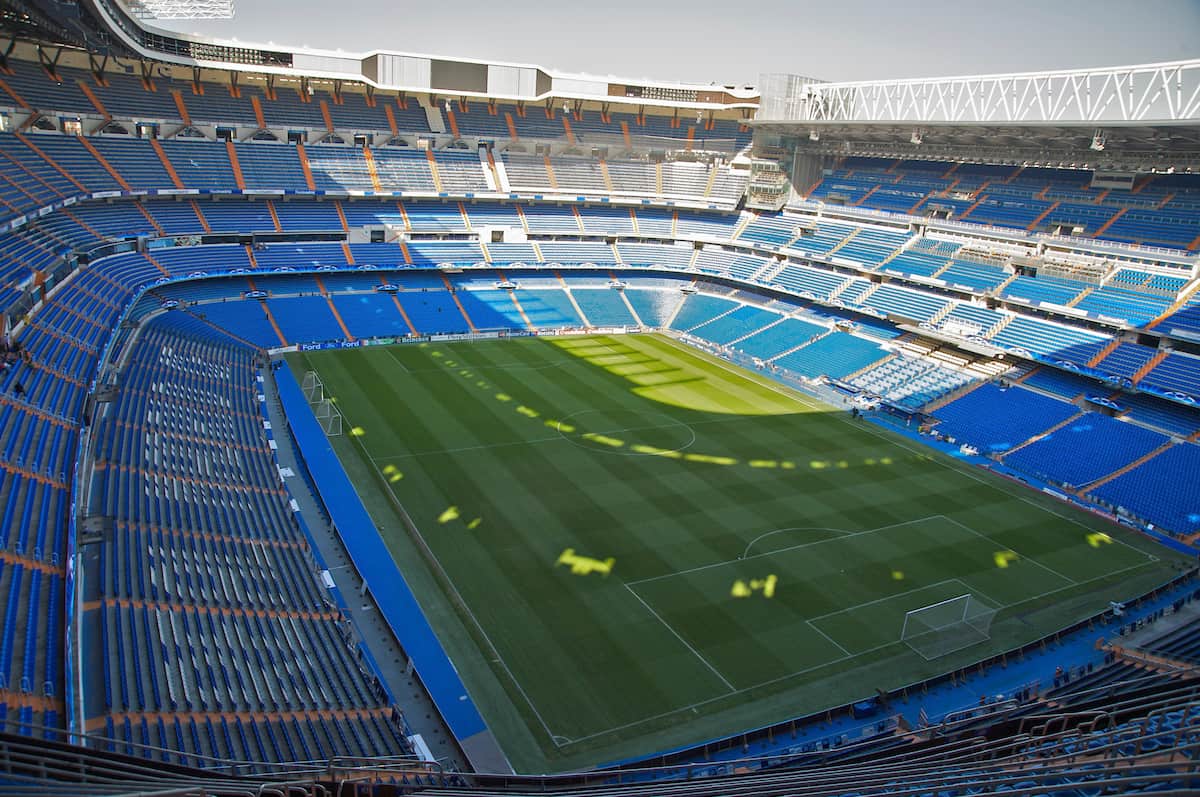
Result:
x=375 y=564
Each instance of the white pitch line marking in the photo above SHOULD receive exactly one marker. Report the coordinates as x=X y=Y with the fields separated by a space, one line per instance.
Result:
x=685 y=643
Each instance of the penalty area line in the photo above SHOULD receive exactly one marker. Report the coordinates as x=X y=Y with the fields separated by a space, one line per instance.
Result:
x=893 y=596
x=695 y=706
x=850 y=657
x=833 y=641
x=685 y=643
x=845 y=536
x=1032 y=560
x=392 y=353
x=892 y=438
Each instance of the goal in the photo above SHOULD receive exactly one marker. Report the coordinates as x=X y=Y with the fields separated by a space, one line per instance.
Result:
x=313 y=387
x=940 y=628
x=328 y=416
x=323 y=409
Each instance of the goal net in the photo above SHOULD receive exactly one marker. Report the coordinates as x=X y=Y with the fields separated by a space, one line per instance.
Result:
x=944 y=627
x=328 y=416
x=313 y=387
x=323 y=409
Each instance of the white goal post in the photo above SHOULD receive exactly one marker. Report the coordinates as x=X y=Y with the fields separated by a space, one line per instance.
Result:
x=323 y=409
x=328 y=416
x=313 y=387
x=947 y=626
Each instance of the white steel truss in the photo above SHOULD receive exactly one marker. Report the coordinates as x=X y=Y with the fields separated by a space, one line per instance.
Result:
x=1146 y=94
x=181 y=9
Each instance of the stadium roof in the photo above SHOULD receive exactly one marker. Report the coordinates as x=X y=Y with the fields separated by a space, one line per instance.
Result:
x=1134 y=117
x=106 y=26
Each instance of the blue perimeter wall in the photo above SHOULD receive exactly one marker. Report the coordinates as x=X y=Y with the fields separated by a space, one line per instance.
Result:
x=375 y=564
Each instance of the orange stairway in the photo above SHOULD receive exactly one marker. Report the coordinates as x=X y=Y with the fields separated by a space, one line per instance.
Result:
x=236 y=165
x=156 y=264
x=1033 y=224
x=274 y=216
x=103 y=161
x=372 y=170
x=608 y=183
x=93 y=99
x=1150 y=365
x=433 y=170
x=153 y=221
x=1116 y=474
x=305 y=167
x=457 y=303
x=200 y=216
x=166 y=162
x=81 y=223
x=9 y=91
x=20 y=186
x=259 y=117
x=1108 y=349
x=181 y=107
x=400 y=309
x=1184 y=297
x=516 y=303
x=333 y=307
x=1104 y=227
x=271 y=319
x=867 y=195
x=24 y=139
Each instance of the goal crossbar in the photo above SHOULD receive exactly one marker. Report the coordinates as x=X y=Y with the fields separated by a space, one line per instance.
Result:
x=947 y=626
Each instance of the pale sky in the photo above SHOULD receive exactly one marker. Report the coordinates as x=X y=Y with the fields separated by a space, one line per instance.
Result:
x=703 y=41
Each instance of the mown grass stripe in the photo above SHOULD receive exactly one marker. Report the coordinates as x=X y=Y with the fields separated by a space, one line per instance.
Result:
x=763 y=459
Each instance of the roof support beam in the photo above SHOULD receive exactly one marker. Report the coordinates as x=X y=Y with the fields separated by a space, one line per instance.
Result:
x=1143 y=94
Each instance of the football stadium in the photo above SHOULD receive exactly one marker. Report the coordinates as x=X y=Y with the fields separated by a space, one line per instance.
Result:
x=382 y=423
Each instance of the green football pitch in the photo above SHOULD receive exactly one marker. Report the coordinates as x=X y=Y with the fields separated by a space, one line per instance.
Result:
x=627 y=545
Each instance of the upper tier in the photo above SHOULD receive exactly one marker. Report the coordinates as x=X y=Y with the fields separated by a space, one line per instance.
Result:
x=319 y=111
x=1159 y=210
